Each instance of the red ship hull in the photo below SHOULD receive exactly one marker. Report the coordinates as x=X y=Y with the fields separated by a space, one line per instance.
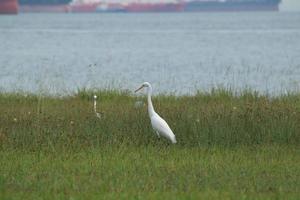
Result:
x=89 y=7
x=9 y=6
x=44 y=8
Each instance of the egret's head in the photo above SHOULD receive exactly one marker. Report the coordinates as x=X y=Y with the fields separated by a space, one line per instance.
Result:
x=144 y=85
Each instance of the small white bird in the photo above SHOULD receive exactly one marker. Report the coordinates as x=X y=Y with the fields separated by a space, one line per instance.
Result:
x=159 y=125
x=95 y=107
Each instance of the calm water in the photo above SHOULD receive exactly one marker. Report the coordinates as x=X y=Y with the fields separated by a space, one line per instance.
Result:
x=181 y=53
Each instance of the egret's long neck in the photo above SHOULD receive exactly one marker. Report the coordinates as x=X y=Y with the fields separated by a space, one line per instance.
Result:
x=150 y=105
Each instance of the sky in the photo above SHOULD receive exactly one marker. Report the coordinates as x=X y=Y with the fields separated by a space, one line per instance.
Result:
x=290 y=5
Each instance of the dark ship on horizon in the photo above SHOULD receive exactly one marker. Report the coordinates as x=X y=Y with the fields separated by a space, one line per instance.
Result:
x=232 y=5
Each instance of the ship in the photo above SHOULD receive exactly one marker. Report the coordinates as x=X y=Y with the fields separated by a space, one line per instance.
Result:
x=131 y=6
x=111 y=7
x=84 y=6
x=231 y=5
x=179 y=5
x=9 y=6
x=146 y=5
x=169 y=6
x=52 y=6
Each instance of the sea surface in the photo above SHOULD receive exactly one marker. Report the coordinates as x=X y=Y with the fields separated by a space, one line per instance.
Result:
x=178 y=53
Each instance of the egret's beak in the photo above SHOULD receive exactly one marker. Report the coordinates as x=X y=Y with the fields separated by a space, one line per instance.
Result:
x=139 y=88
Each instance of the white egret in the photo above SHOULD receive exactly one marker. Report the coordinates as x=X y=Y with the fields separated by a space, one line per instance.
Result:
x=95 y=107
x=159 y=125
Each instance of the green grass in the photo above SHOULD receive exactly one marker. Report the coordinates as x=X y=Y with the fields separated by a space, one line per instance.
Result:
x=229 y=146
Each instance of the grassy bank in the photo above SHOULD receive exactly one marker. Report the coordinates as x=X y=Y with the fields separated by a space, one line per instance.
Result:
x=219 y=118
x=229 y=147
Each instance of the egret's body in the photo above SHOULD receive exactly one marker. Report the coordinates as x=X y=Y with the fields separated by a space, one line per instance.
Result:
x=159 y=125
x=95 y=107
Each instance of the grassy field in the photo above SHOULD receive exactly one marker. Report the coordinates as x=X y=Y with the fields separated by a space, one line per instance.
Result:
x=229 y=146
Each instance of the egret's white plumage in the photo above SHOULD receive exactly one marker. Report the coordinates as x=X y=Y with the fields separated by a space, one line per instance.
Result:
x=95 y=107
x=159 y=125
